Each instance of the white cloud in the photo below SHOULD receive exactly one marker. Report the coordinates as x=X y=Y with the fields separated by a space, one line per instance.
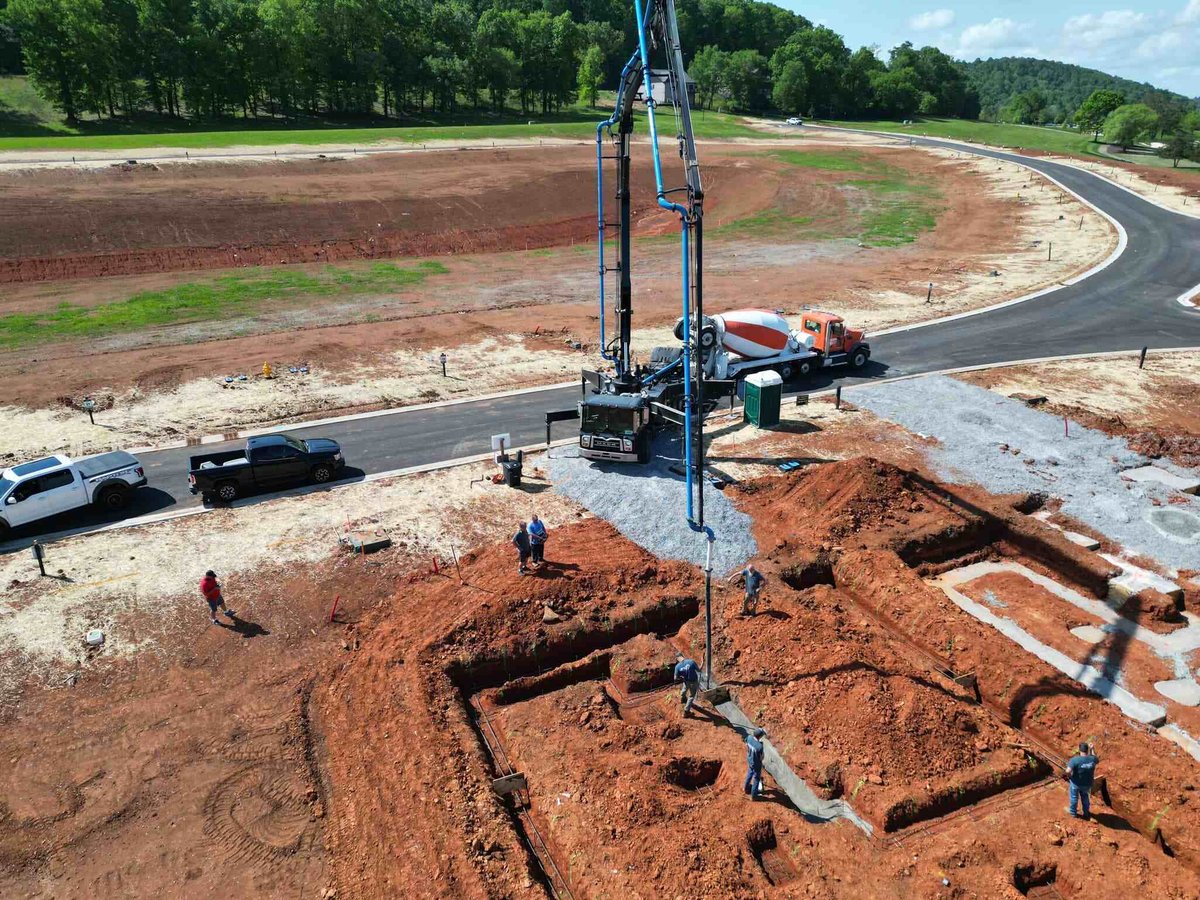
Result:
x=997 y=37
x=942 y=18
x=1094 y=31
x=1191 y=14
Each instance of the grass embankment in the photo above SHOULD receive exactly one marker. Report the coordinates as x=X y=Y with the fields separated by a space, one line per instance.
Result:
x=29 y=123
x=224 y=297
x=1031 y=137
x=888 y=207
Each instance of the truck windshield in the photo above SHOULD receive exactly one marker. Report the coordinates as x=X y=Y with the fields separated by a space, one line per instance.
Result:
x=604 y=418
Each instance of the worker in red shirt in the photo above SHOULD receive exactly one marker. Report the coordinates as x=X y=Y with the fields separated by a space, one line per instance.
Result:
x=212 y=593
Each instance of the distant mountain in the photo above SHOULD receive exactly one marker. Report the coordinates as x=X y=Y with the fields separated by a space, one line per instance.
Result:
x=1065 y=86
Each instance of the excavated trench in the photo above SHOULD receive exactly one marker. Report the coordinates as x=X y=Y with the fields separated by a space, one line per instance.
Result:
x=513 y=674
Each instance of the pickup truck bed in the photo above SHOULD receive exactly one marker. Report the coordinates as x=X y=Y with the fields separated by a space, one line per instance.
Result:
x=95 y=466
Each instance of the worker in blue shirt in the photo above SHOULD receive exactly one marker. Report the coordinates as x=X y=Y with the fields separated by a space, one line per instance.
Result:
x=687 y=672
x=1081 y=771
x=754 y=762
x=754 y=581
x=537 y=540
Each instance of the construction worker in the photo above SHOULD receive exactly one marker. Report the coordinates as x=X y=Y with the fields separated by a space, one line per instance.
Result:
x=754 y=762
x=1081 y=771
x=211 y=591
x=537 y=540
x=687 y=672
x=754 y=581
x=521 y=542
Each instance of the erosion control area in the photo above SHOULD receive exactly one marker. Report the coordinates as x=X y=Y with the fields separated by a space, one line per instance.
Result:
x=900 y=712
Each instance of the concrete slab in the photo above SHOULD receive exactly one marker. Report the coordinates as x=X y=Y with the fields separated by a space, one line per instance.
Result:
x=1089 y=633
x=1185 y=741
x=1134 y=579
x=1183 y=691
x=1088 y=543
x=1155 y=475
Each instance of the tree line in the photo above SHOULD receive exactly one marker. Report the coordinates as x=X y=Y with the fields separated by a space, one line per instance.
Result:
x=1039 y=91
x=285 y=58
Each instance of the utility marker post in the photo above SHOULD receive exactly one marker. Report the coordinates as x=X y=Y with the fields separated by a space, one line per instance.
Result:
x=1142 y=358
x=39 y=553
x=442 y=360
x=929 y=293
x=1049 y=250
x=89 y=406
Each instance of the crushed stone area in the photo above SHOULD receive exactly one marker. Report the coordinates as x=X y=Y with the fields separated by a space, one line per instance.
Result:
x=647 y=504
x=1008 y=447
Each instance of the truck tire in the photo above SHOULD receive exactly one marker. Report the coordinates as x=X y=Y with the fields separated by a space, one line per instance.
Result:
x=643 y=448
x=322 y=473
x=5 y=531
x=859 y=358
x=113 y=497
x=806 y=367
x=787 y=372
x=227 y=491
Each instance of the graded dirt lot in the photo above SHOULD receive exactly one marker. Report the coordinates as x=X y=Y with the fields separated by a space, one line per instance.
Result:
x=284 y=756
x=786 y=226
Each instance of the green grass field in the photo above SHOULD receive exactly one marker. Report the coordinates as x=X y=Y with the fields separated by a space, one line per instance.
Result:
x=29 y=123
x=888 y=207
x=240 y=294
x=1033 y=137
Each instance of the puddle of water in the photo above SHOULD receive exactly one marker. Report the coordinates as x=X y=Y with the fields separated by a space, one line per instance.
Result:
x=990 y=598
x=1175 y=523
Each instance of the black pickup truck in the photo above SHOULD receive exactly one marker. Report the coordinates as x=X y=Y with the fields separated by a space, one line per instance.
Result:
x=271 y=461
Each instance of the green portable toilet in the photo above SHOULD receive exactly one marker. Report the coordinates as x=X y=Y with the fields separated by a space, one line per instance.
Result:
x=764 y=394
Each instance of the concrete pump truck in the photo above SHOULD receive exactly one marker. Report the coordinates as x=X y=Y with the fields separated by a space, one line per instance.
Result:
x=618 y=410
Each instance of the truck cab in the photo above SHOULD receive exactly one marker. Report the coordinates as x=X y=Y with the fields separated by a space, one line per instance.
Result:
x=827 y=335
x=614 y=427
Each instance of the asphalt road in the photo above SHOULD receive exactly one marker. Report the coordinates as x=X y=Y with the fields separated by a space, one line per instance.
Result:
x=1130 y=304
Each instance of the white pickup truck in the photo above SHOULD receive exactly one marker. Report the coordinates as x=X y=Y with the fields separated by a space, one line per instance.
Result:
x=57 y=484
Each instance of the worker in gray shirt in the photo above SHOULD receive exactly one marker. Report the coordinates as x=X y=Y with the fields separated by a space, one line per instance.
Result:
x=687 y=672
x=753 y=581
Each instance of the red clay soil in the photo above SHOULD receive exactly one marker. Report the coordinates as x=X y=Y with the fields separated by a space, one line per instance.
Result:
x=63 y=224
x=187 y=770
x=620 y=787
x=498 y=294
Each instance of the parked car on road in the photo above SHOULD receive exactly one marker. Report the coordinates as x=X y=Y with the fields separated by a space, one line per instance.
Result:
x=57 y=484
x=795 y=120
x=271 y=461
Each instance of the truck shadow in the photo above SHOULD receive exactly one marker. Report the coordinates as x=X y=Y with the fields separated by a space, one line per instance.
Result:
x=142 y=502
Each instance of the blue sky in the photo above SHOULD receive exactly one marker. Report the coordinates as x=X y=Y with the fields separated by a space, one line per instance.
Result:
x=1156 y=41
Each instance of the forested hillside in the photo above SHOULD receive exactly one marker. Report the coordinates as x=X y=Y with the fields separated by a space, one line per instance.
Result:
x=287 y=58
x=1062 y=87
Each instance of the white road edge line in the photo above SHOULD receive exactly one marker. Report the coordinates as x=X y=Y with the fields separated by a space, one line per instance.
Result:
x=1186 y=299
x=1122 y=243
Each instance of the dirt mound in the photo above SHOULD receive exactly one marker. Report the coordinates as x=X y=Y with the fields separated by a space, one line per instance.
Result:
x=862 y=503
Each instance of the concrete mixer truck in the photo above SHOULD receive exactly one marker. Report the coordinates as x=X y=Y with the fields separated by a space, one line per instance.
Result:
x=736 y=343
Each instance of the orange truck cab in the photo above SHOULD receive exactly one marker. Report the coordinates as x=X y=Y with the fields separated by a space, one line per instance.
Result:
x=828 y=335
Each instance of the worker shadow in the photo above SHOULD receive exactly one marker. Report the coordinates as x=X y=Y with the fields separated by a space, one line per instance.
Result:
x=244 y=627
x=778 y=614
x=528 y=488
x=1112 y=821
